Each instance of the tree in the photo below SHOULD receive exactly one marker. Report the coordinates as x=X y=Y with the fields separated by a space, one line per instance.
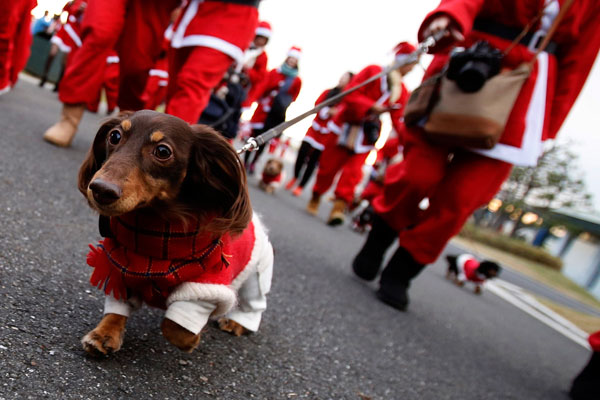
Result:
x=555 y=182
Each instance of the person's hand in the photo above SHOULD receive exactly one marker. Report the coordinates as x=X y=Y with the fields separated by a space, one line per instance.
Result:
x=443 y=23
x=378 y=109
x=333 y=110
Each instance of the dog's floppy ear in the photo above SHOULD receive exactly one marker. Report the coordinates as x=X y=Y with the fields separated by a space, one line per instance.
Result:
x=97 y=153
x=216 y=180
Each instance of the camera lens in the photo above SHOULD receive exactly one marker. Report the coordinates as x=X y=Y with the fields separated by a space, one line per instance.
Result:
x=472 y=76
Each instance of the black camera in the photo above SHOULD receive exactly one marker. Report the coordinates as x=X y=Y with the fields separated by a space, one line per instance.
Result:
x=470 y=68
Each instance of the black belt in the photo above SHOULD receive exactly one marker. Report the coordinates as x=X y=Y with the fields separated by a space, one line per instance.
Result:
x=511 y=33
x=252 y=3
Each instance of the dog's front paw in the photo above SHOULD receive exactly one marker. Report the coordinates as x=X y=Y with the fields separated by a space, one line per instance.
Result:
x=179 y=336
x=228 y=325
x=107 y=337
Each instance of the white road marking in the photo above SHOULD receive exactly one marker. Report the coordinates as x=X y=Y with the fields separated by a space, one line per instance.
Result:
x=516 y=296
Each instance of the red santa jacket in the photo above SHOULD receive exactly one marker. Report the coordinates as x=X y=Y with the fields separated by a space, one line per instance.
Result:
x=556 y=81
x=256 y=69
x=268 y=90
x=149 y=257
x=68 y=36
x=228 y=27
x=155 y=91
x=354 y=108
x=317 y=134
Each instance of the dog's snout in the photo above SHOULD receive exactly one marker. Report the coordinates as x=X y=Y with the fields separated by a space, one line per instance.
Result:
x=105 y=192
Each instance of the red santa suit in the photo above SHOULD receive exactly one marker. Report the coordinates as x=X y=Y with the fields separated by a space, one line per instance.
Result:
x=103 y=29
x=68 y=36
x=354 y=110
x=155 y=92
x=183 y=269
x=15 y=40
x=110 y=83
x=156 y=86
x=318 y=134
x=455 y=189
x=208 y=37
x=374 y=187
x=255 y=64
x=268 y=91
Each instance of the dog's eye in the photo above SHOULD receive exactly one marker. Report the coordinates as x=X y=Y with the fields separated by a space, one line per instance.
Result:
x=162 y=152
x=114 y=137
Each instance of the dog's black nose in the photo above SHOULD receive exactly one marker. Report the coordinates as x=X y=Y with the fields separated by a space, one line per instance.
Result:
x=105 y=192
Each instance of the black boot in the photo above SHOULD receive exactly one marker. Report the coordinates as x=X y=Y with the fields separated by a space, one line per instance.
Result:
x=395 y=279
x=367 y=262
x=586 y=385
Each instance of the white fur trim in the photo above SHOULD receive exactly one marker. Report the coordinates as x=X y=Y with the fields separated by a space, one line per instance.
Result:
x=324 y=112
x=213 y=42
x=61 y=45
x=333 y=127
x=531 y=147
x=294 y=53
x=181 y=40
x=112 y=60
x=313 y=143
x=263 y=32
x=72 y=34
x=262 y=254
x=158 y=72
x=221 y=295
x=192 y=315
x=169 y=32
x=121 y=307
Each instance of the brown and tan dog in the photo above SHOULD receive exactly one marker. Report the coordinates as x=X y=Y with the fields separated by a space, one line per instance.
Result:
x=272 y=175
x=172 y=196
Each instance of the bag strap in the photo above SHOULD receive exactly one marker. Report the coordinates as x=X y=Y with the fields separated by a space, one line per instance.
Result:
x=559 y=17
x=548 y=36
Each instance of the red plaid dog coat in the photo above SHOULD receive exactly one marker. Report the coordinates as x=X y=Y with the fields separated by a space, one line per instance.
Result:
x=149 y=257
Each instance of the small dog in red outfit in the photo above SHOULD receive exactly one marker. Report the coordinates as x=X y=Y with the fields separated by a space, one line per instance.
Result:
x=272 y=176
x=466 y=268
x=179 y=230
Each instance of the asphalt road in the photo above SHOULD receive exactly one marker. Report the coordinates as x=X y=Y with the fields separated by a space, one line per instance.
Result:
x=324 y=336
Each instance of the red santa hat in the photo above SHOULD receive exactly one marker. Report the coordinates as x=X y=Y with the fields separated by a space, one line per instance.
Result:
x=295 y=52
x=263 y=29
x=403 y=50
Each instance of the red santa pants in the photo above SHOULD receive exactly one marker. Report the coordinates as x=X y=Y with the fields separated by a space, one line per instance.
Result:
x=334 y=159
x=15 y=39
x=455 y=189
x=110 y=83
x=193 y=73
x=104 y=29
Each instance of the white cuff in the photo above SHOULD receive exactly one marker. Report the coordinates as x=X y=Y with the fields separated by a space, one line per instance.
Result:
x=120 y=307
x=192 y=315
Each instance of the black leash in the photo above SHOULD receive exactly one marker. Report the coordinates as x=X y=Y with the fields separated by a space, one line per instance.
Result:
x=254 y=143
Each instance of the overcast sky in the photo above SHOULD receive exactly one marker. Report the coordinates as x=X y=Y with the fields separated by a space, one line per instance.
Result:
x=341 y=35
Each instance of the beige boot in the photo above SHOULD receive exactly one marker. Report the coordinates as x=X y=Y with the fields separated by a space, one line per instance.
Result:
x=313 y=205
x=62 y=133
x=337 y=216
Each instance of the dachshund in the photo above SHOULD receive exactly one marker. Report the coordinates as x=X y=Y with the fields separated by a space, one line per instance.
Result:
x=465 y=268
x=272 y=176
x=179 y=231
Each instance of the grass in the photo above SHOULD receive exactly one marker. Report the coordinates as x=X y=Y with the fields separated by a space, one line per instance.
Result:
x=532 y=269
x=511 y=245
